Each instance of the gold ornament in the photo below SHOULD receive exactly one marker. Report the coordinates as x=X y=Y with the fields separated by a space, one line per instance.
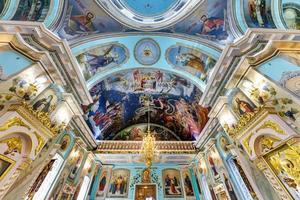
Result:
x=267 y=142
x=246 y=143
x=16 y=121
x=44 y=118
x=41 y=143
x=272 y=125
x=14 y=144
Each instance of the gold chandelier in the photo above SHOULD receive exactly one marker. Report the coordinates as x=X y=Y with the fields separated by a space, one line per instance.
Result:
x=148 y=149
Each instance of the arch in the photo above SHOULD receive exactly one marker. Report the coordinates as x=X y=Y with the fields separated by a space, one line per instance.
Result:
x=265 y=141
x=28 y=141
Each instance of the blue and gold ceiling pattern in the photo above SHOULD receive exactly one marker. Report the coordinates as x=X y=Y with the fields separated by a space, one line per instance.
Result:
x=124 y=64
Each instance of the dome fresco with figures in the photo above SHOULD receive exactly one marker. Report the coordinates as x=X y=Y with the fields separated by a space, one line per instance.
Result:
x=150 y=99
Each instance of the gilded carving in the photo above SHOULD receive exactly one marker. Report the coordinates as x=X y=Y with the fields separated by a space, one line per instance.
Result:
x=272 y=125
x=243 y=122
x=14 y=145
x=246 y=143
x=41 y=143
x=43 y=117
x=285 y=162
x=16 y=121
x=267 y=143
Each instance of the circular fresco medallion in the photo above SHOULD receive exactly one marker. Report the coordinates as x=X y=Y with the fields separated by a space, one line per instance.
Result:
x=147 y=51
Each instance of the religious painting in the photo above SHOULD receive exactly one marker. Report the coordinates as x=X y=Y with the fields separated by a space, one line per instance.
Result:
x=137 y=131
x=65 y=142
x=172 y=183
x=119 y=183
x=86 y=17
x=32 y=10
x=191 y=60
x=285 y=163
x=101 y=58
x=214 y=161
x=120 y=101
x=258 y=14
x=188 y=187
x=224 y=143
x=40 y=179
x=291 y=15
x=147 y=51
x=48 y=100
x=240 y=103
x=5 y=165
x=104 y=182
x=77 y=190
x=76 y=163
x=209 y=21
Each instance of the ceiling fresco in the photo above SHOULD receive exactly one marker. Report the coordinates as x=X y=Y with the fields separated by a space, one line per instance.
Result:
x=149 y=7
x=209 y=21
x=137 y=131
x=101 y=58
x=121 y=100
x=32 y=10
x=147 y=51
x=291 y=15
x=258 y=13
x=191 y=60
x=84 y=17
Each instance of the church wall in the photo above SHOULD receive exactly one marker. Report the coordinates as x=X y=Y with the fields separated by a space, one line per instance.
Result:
x=136 y=178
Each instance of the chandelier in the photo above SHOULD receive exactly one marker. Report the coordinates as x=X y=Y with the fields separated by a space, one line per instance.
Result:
x=148 y=150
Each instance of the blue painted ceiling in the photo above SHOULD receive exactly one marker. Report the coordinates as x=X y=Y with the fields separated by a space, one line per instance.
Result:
x=149 y=7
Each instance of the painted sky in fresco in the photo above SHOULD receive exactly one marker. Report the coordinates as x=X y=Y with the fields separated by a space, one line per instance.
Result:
x=122 y=100
x=149 y=7
x=209 y=21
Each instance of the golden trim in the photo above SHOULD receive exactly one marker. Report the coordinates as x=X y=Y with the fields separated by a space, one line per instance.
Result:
x=13 y=143
x=246 y=143
x=40 y=120
x=16 y=121
x=9 y=160
x=272 y=125
x=41 y=143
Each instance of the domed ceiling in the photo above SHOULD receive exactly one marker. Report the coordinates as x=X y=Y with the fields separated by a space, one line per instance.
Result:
x=149 y=7
x=130 y=52
x=121 y=100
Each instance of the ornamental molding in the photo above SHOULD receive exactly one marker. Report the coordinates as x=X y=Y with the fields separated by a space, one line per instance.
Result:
x=134 y=147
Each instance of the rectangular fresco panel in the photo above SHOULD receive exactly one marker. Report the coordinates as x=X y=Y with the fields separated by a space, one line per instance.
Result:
x=188 y=188
x=104 y=182
x=172 y=183
x=119 y=183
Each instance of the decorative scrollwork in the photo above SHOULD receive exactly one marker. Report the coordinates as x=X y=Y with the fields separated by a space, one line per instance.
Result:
x=41 y=143
x=44 y=118
x=14 y=145
x=16 y=121
x=272 y=125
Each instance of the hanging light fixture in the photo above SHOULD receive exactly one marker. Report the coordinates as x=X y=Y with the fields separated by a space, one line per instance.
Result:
x=148 y=149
